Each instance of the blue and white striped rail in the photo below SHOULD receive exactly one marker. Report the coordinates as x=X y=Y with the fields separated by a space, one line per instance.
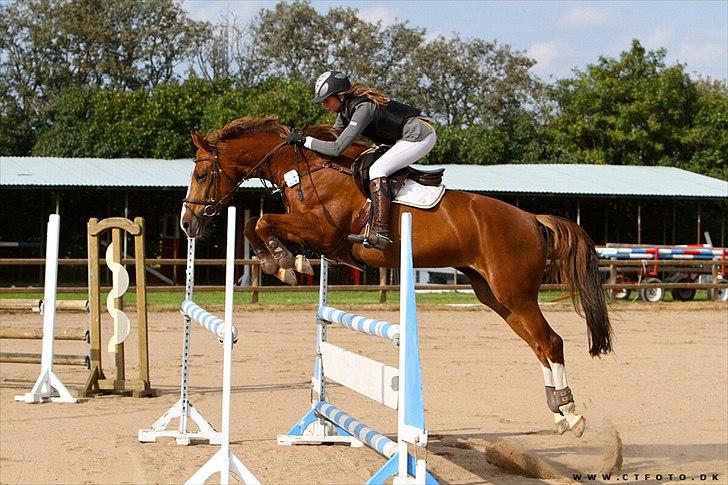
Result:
x=697 y=253
x=367 y=325
x=398 y=388
x=662 y=257
x=361 y=431
x=214 y=324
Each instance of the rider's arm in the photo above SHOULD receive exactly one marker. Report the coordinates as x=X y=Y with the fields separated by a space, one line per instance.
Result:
x=362 y=116
x=340 y=123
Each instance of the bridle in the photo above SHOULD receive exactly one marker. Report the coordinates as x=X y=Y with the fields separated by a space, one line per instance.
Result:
x=212 y=203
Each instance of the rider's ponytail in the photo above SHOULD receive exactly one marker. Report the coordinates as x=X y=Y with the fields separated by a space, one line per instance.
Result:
x=362 y=90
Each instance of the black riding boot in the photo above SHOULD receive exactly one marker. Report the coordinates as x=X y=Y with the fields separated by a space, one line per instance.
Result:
x=379 y=232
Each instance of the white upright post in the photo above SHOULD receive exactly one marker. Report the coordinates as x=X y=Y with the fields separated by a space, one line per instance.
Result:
x=227 y=363
x=47 y=383
x=224 y=461
x=183 y=409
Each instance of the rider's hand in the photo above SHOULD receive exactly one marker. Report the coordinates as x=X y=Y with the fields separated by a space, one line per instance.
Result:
x=295 y=137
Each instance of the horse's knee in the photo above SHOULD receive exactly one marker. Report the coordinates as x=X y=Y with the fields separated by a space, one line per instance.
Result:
x=261 y=226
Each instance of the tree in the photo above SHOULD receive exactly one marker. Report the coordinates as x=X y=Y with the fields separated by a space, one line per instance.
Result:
x=48 y=45
x=463 y=83
x=515 y=141
x=291 y=38
x=93 y=122
x=459 y=82
x=708 y=137
x=634 y=110
x=289 y=100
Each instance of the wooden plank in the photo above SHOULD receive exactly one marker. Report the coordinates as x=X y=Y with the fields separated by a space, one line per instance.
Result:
x=141 y=294
x=20 y=304
x=37 y=334
x=59 y=359
x=368 y=377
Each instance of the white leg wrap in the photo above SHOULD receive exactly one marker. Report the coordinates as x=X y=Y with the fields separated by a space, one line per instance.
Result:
x=575 y=421
x=567 y=419
x=559 y=376
x=548 y=377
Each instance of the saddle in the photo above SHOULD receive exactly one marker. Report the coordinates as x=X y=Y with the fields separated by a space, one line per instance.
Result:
x=360 y=172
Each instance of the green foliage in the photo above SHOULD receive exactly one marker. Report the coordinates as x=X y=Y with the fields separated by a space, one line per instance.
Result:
x=16 y=135
x=102 y=123
x=634 y=110
x=289 y=100
x=515 y=141
x=157 y=124
x=709 y=134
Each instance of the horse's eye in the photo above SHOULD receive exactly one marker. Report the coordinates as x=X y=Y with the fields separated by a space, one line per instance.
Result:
x=200 y=177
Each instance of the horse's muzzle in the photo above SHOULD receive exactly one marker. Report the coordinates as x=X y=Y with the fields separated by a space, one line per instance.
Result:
x=191 y=224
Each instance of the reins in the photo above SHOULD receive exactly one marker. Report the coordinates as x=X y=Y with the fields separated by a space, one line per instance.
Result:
x=213 y=205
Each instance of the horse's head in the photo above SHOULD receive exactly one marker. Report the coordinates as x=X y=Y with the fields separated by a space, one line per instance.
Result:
x=224 y=159
x=210 y=189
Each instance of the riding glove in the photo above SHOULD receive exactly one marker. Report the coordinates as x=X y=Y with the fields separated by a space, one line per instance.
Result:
x=295 y=137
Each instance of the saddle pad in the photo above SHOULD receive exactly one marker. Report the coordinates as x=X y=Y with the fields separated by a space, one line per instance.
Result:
x=415 y=195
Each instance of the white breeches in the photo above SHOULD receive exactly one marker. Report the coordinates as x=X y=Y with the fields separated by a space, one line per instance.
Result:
x=401 y=154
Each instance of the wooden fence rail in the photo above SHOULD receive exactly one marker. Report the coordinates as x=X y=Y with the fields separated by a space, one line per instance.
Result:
x=715 y=268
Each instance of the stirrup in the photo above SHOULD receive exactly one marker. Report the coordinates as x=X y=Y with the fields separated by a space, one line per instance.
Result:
x=377 y=241
x=356 y=238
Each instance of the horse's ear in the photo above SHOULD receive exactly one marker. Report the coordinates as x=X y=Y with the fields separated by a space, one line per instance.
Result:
x=200 y=141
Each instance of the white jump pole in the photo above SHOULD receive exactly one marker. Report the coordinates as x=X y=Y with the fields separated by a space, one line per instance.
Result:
x=224 y=461
x=48 y=387
x=183 y=409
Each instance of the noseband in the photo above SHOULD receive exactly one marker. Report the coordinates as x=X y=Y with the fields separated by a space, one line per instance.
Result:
x=212 y=204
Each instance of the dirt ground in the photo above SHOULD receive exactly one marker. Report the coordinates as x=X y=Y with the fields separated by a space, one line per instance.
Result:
x=657 y=406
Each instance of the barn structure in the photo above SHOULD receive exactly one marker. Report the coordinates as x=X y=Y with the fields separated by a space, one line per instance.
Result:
x=623 y=204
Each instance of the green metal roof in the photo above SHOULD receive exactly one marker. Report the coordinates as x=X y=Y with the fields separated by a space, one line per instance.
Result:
x=593 y=180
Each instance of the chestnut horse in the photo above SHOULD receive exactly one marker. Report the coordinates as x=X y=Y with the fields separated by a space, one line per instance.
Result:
x=502 y=249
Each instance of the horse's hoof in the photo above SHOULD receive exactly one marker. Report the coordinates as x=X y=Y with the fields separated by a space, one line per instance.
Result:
x=287 y=276
x=579 y=426
x=302 y=265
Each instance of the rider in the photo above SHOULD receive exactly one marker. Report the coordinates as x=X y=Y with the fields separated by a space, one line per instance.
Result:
x=365 y=111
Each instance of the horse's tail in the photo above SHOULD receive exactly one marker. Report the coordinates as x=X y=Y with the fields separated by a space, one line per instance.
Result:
x=574 y=262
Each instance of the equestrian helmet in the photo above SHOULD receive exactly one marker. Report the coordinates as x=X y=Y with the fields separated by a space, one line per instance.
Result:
x=330 y=83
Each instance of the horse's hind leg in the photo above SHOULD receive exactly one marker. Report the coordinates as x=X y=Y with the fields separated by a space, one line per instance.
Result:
x=549 y=348
x=545 y=343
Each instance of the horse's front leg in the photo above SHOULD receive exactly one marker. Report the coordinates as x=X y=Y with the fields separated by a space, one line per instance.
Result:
x=267 y=262
x=297 y=228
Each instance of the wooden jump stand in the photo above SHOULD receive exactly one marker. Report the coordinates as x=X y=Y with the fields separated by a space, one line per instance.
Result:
x=97 y=382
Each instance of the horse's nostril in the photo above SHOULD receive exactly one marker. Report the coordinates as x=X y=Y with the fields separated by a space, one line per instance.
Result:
x=185 y=225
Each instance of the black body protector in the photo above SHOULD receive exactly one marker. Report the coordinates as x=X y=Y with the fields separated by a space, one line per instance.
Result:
x=386 y=127
x=388 y=122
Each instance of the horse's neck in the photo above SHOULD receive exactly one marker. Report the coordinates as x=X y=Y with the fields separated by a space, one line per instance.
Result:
x=246 y=155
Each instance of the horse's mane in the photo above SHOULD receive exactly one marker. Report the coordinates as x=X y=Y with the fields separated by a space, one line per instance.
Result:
x=248 y=124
